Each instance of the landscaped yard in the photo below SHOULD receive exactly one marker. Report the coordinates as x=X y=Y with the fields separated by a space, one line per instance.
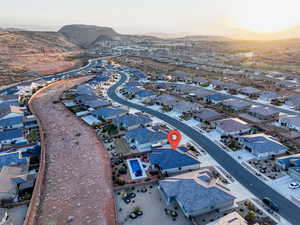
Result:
x=152 y=206
x=121 y=146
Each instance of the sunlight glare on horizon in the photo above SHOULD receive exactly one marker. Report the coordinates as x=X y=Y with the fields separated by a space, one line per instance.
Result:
x=266 y=15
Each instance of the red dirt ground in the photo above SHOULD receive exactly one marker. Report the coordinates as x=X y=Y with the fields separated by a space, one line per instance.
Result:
x=78 y=186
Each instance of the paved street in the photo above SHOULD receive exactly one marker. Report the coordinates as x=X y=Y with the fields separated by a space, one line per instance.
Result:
x=287 y=209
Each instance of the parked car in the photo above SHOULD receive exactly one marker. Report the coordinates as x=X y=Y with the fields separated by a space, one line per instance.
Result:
x=294 y=185
x=267 y=201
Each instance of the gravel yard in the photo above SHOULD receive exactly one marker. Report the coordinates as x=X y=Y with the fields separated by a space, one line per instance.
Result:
x=78 y=185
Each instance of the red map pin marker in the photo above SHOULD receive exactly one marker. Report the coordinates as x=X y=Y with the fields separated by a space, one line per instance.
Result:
x=174 y=138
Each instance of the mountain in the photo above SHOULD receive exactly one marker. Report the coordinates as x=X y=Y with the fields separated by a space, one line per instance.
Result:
x=89 y=36
x=85 y=35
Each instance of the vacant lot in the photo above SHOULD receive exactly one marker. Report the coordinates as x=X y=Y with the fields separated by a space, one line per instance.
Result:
x=78 y=186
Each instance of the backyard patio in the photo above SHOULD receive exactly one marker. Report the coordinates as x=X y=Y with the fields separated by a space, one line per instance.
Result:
x=148 y=200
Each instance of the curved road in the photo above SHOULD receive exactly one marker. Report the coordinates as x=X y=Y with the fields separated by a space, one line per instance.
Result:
x=287 y=209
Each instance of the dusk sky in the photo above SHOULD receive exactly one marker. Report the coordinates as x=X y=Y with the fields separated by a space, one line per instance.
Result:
x=168 y=16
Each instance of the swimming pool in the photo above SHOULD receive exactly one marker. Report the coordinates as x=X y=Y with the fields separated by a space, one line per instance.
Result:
x=136 y=169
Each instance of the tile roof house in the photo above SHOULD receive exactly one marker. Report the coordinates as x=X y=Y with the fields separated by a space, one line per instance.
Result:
x=11 y=137
x=130 y=121
x=170 y=161
x=206 y=115
x=232 y=126
x=108 y=113
x=144 y=138
x=196 y=193
x=262 y=146
x=184 y=106
x=291 y=122
x=236 y=104
x=263 y=113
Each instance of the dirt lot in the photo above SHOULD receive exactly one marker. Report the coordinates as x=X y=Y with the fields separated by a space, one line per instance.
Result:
x=78 y=185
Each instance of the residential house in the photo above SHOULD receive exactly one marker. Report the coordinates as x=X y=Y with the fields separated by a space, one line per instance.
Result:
x=10 y=111
x=11 y=123
x=262 y=146
x=184 y=107
x=200 y=81
x=216 y=98
x=84 y=98
x=263 y=113
x=291 y=122
x=294 y=172
x=232 y=127
x=90 y=120
x=9 y=98
x=293 y=101
x=285 y=162
x=217 y=84
x=144 y=138
x=196 y=193
x=170 y=161
x=286 y=84
x=98 y=103
x=230 y=219
x=268 y=96
x=11 y=137
x=166 y=100
x=200 y=94
x=231 y=87
x=142 y=94
x=236 y=104
x=206 y=115
x=130 y=121
x=108 y=113
x=250 y=91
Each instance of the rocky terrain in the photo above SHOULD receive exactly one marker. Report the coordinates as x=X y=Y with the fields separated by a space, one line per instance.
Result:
x=28 y=54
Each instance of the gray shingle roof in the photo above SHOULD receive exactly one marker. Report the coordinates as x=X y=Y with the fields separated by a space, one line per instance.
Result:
x=262 y=144
x=169 y=159
x=144 y=136
x=131 y=120
x=193 y=196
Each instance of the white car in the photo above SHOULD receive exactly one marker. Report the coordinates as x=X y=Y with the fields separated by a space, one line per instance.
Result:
x=294 y=185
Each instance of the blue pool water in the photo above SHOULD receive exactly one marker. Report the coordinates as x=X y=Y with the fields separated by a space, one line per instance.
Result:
x=136 y=168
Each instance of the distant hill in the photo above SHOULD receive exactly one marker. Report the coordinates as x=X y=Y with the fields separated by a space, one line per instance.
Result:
x=204 y=38
x=85 y=35
x=291 y=33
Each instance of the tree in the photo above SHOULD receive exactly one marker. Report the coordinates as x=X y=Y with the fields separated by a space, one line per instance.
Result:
x=251 y=215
